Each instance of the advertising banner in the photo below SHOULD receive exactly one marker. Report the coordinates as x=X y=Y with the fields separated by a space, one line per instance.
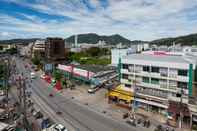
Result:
x=65 y=68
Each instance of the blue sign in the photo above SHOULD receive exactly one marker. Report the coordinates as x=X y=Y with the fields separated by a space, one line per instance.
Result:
x=48 y=67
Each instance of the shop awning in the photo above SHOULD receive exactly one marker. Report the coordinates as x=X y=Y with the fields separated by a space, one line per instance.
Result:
x=122 y=94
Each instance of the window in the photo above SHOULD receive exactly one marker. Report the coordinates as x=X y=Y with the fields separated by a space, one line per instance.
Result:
x=127 y=85
x=125 y=76
x=155 y=69
x=145 y=79
x=182 y=85
x=182 y=72
x=131 y=68
x=125 y=66
x=146 y=68
x=154 y=81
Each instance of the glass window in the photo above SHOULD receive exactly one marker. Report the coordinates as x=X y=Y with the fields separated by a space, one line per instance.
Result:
x=145 y=79
x=155 y=69
x=125 y=76
x=154 y=81
x=146 y=68
x=125 y=66
x=182 y=72
x=182 y=85
x=127 y=85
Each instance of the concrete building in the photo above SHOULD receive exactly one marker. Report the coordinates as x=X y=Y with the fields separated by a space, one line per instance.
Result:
x=54 y=49
x=38 y=49
x=119 y=53
x=140 y=46
x=159 y=80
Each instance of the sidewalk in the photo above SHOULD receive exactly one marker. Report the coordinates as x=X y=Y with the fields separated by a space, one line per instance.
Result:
x=99 y=103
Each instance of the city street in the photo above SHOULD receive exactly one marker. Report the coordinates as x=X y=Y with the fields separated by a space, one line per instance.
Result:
x=74 y=115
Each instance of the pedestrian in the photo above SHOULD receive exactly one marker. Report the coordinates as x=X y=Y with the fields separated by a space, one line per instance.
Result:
x=148 y=124
x=144 y=123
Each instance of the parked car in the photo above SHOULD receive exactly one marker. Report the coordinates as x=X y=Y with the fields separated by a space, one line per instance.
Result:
x=93 y=89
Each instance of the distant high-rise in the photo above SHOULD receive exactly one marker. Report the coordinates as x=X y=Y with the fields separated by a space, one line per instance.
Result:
x=54 y=49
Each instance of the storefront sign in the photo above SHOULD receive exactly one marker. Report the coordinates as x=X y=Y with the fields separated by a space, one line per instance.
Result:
x=65 y=68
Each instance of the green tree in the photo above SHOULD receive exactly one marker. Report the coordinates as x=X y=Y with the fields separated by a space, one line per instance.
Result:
x=94 y=51
x=57 y=75
x=12 y=51
x=35 y=61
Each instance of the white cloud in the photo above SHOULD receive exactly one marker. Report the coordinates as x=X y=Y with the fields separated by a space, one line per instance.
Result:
x=135 y=19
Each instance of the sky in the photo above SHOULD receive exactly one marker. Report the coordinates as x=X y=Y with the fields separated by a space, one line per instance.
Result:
x=133 y=19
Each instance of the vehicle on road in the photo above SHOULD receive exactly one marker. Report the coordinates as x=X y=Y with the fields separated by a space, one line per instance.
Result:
x=53 y=81
x=37 y=114
x=93 y=89
x=56 y=127
x=32 y=75
x=9 y=128
x=43 y=76
x=46 y=123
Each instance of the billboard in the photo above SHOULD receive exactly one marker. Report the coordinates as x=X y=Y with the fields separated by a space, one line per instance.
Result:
x=65 y=68
x=76 y=71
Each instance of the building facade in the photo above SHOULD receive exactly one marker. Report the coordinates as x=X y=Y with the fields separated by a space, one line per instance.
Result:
x=158 y=79
x=38 y=49
x=55 y=49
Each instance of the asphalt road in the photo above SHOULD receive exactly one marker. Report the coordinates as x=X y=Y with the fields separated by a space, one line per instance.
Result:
x=75 y=115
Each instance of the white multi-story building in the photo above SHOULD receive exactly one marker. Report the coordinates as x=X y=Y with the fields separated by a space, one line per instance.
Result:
x=38 y=48
x=157 y=79
x=119 y=53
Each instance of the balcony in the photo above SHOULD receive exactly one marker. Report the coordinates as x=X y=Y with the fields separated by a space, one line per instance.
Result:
x=154 y=93
x=178 y=99
x=183 y=78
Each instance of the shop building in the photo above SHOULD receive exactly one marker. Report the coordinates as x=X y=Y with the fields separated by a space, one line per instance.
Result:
x=159 y=80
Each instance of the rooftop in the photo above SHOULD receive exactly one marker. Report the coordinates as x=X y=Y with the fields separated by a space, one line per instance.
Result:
x=161 y=58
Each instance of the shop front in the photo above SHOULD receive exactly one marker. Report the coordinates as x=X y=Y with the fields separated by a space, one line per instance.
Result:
x=177 y=111
x=120 y=96
x=152 y=105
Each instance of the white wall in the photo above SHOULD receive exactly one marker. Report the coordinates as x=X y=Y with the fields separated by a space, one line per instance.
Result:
x=119 y=53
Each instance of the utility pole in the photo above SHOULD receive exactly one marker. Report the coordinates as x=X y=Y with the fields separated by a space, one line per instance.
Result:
x=134 y=96
x=6 y=65
x=22 y=100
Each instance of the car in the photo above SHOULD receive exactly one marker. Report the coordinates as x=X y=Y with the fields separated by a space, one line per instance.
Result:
x=60 y=127
x=4 y=116
x=32 y=75
x=93 y=89
x=43 y=76
x=53 y=81
x=46 y=123
x=38 y=115
x=10 y=128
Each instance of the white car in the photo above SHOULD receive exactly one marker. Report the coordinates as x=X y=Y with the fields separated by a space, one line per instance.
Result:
x=33 y=75
x=59 y=127
x=43 y=76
